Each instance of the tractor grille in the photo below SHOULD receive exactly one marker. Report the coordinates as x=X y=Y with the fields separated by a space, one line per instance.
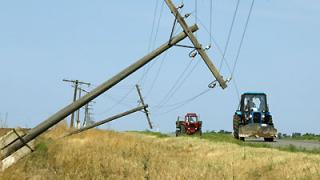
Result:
x=256 y=117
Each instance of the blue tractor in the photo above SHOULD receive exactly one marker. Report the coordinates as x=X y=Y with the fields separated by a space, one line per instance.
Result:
x=253 y=119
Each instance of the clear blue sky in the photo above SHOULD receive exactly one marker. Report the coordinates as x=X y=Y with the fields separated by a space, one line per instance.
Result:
x=42 y=42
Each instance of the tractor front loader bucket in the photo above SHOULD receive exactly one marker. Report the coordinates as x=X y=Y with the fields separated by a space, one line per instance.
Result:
x=257 y=130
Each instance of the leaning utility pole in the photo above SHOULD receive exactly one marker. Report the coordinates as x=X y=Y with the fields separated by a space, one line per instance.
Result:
x=109 y=119
x=66 y=111
x=196 y=44
x=145 y=109
x=76 y=83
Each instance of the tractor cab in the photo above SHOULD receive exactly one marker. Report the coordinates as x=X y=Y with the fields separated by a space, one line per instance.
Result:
x=253 y=119
x=191 y=118
x=189 y=125
x=254 y=108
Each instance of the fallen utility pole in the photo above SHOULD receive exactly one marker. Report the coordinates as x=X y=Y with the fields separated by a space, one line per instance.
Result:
x=76 y=83
x=145 y=109
x=108 y=120
x=66 y=111
x=196 y=44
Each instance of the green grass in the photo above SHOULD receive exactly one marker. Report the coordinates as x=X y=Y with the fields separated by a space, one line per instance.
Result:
x=41 y=145
x=221 y=137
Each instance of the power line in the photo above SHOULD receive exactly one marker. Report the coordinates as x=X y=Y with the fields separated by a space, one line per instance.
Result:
x=153 y=24
x=157 y=73
x=174 y=85
x=152 y=44
x=229 y=34
x=216 y=45
x=196 y=13
x=183 y=103
x=211 y=9
x=118 y=102
x=181 y=83
x=161 y=65
x=224 y=58
x=242 y=38
x=239 y=49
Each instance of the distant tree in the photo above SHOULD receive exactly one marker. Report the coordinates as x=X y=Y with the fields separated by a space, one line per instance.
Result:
x=296 y=134
x=221 y=131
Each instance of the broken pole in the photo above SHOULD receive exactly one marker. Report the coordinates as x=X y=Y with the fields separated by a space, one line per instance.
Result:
x=145 y=109
x=66 y=111
x=109 y=119
x=196 y=44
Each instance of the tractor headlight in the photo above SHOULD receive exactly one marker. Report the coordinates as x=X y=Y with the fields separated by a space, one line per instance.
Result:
x=263 y=116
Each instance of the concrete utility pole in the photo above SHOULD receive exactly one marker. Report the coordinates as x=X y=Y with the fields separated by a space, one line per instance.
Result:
x=145 y=109
x=78 y=112
x=78 y=125
x=86 y=115
x=66 y=111
x=76 y=83
x=109 y=119
x=196 y=44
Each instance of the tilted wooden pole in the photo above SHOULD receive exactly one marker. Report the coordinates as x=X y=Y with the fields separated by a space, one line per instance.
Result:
x=196 y=44
x=109 y=119
x=66 y=111
x=145 y=109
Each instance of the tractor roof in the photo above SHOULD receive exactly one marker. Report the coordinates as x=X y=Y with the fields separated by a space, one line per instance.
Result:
x=254 y=93
x=191 y=114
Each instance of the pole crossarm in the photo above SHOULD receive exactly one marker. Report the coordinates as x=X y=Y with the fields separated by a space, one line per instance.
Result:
x=196 y=44
x=67 y=110
x=76 y=81
x=145 y=109
x=109 y=119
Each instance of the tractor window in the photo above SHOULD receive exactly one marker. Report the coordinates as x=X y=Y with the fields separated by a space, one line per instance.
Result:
x=255 y=101
x=191 y=119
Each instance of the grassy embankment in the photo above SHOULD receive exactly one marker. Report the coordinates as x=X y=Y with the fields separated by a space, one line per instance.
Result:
x=98 y=154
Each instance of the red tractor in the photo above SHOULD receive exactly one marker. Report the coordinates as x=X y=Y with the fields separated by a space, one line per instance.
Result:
x=189 y=126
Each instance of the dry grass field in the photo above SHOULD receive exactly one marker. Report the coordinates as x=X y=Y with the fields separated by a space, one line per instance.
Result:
x=98 y=154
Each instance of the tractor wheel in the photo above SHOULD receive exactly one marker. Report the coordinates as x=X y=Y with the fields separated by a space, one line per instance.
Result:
x=268 y=139
x=182 y=130
x=199 y=132
x=236 y=122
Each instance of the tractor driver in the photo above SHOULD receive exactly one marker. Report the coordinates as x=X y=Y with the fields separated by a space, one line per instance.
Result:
x=250 y=104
